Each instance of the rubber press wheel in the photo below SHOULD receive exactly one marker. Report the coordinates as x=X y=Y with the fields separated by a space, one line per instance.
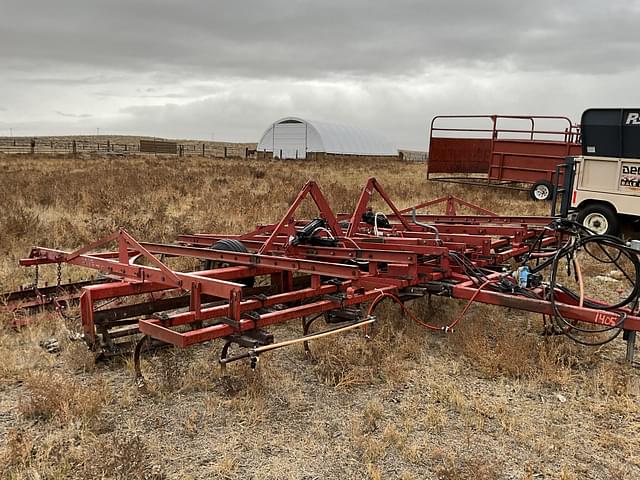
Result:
x=229 y=245
x=541 y=191
x=599 y=218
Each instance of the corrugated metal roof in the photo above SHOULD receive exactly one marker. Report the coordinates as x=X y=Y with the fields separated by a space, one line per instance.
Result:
x=331 y=138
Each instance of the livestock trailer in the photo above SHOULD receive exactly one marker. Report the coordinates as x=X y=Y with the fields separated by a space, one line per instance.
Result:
x=507 y=151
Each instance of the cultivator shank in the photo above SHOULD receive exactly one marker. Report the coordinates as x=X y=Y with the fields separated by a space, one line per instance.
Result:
x=330 y=266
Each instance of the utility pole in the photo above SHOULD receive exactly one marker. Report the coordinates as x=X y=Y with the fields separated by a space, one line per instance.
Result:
x=98 y=131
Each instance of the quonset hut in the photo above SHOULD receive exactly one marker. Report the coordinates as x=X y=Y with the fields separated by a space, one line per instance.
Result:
x=293 y=137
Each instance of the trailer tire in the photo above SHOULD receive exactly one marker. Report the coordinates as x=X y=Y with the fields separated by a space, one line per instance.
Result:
x=542 y=191
x=599 y=218
x=229 y=245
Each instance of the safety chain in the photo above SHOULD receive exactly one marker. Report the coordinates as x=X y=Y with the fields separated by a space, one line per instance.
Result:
x=36 y=276
x=59 y=275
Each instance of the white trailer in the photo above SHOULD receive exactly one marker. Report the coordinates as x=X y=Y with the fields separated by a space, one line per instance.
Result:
x=602 y=186
x=606 y=193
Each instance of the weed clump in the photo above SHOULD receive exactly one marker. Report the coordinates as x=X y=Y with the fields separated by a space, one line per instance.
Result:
x=62 y=399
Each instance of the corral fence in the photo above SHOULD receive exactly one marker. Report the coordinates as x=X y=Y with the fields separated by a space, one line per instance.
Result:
x=25 y=145
x=74 y=146
x=414 y=155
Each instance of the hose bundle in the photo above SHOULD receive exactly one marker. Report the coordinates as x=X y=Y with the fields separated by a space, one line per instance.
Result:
x=605 y=249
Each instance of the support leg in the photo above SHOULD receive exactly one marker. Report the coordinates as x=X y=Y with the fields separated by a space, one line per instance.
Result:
x=306 y=325
x=305 y=330
x=223 y=355
x=136 y=360
x=631 y=345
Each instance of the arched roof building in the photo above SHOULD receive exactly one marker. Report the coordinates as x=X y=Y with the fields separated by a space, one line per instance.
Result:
x=294 y=137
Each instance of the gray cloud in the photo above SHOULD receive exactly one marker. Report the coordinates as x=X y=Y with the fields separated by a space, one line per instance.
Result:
x=309 y=39
x=74 y=115
x=191 y=68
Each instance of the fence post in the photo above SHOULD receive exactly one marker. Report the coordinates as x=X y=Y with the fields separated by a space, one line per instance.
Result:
x=74 y=148
x=33 y=146
x=225 y=151
x=203 y=150
x=246 y=152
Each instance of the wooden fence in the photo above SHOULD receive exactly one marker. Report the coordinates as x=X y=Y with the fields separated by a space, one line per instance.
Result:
x=72 y=146
x=414 y=156
x=107 y=146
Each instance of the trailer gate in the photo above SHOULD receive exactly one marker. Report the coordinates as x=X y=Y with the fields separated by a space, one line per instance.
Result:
x=487 y=150
x=334 y=265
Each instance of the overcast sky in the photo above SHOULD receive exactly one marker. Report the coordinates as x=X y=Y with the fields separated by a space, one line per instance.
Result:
x=227 y=69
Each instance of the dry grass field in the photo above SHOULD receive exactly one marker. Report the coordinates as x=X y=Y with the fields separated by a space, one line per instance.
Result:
x=493 y=400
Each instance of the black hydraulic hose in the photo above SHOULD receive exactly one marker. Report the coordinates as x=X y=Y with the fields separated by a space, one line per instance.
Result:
x=566 y=326
x=600 y=240
x=622 y=250
x=593 y=344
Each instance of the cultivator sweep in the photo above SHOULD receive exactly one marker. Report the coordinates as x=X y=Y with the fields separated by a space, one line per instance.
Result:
x=340 y=267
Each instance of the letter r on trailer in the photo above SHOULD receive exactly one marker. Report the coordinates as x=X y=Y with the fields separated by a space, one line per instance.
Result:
x=633 y=118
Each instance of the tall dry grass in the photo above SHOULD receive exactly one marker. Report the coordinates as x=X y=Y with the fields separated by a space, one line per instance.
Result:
x=492 y=400
x=65 y=202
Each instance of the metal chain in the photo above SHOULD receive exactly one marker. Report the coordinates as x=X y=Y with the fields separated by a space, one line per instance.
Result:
x=36 y=278
x=59 y=275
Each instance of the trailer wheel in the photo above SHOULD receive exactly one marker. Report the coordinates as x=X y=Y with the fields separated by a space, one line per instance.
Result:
x=542 y=190
x=229 y=245
x=599 y=218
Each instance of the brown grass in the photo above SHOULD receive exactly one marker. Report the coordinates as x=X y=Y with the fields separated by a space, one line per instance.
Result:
x=492 y=400
x=62 y=399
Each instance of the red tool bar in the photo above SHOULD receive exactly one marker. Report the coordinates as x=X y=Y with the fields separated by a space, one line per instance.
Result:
x=210 y=286
x=154 y=328
x=353 y=254
x=424 y=246
x=482 y=219
x=571 y=312
x=252 y=259
x=221 y=311
x=493 y=230
x=121 y=289
x=482 y=242
x=397 y=256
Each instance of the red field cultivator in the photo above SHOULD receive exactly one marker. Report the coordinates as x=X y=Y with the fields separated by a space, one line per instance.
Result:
x=340 y=267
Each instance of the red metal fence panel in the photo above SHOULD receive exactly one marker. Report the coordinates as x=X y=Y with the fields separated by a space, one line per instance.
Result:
x=504 y=152
x=459 y=155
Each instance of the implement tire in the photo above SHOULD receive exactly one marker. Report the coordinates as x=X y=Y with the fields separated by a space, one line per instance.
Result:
x=229 y=245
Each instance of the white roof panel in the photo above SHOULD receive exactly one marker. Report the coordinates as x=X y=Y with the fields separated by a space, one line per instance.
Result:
x=333 y=138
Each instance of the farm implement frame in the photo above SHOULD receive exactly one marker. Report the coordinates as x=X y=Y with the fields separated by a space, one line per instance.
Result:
x=338 y=267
